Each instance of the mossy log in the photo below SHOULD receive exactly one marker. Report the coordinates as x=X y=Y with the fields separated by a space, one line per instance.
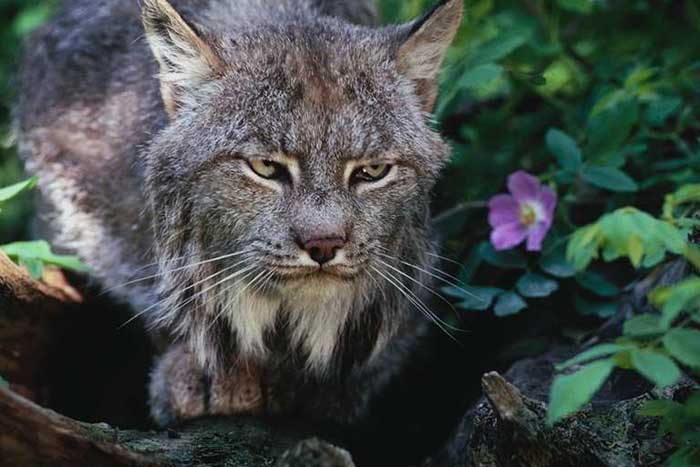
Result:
x=508 y=428
x=32 y=435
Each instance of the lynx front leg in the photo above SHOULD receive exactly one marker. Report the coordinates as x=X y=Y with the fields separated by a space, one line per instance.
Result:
x=181 y=390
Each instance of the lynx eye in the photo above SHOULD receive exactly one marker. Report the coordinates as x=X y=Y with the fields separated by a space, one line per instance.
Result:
x=268 y=169
x=370 y=173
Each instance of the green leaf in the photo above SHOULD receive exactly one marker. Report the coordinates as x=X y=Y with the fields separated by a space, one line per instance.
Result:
x=600 y=350
x=34 y=266
x=509 y=259
x=577 y=6
x=656 y=367
x=673 y=300
x=534 y=285
x=498 y=48
x=684 y=346
x=626 y=232
x=658 y=408
x=609 y=178
x=473 y=298
x=646 y=325
x=610 y=125
x=555 y=263
x=480 y=75
x=597 y=284
x=571 y=392
x=509 y=303
x=599 y=309
x=11 y=191
x=29 y=253
x=564 y=149
x=4 y=383
x=660 y=109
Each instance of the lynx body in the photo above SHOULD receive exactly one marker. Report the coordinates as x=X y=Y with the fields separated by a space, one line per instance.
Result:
x=253 y=178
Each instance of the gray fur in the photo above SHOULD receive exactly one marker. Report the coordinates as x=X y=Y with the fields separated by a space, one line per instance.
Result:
x=141 y=153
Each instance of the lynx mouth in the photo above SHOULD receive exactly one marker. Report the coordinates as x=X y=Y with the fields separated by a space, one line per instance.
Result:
x=337 y=272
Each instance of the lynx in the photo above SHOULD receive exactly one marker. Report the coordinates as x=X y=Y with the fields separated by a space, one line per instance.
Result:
x=253 y=177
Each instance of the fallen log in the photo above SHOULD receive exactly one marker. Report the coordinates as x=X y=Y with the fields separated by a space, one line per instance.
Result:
x=508 y=428
x=32 y=317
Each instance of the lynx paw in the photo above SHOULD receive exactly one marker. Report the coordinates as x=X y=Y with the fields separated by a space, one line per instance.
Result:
x=180 y=390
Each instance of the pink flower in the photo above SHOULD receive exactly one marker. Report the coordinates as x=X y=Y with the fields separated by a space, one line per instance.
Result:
x=524 y=214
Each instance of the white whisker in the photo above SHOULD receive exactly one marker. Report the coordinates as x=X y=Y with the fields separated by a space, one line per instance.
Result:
x=181 y=268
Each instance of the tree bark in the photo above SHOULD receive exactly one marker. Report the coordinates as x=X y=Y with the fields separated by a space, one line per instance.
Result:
x=507 y=427
x=31 y=435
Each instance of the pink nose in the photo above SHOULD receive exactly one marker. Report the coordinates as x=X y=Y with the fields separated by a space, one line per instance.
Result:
x=322 y=250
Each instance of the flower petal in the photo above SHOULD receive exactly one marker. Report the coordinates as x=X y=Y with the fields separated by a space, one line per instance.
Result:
x=507 y=236
x=503 y=209
x=535 y=236
x=524 y=186
x=549 y=201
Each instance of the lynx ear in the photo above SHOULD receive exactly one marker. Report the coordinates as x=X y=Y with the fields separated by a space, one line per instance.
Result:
x=186 y=60
x=424 y=46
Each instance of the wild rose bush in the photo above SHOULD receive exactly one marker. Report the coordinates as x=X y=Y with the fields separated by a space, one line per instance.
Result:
x=576 y=129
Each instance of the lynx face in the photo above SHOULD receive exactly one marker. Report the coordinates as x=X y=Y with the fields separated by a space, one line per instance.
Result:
x=300 y=159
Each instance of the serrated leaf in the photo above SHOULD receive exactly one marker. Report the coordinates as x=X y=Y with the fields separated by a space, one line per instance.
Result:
x=658 y=408
x=610 y=236
x=646 y=325
x=534 y=285
x=684 y=346
x=565 y=149
x=599 y=309
x=509 y=259
x=556 y=264
x=610 y=124
x=31 y=252
x=571 y=392
x=673 y=300
x=11 y=191
x=609 y=178
x=577 y=6
x=660 y=109
x=597 y=284
x=473 y=298
x=480 y=75
x=509 y=303
x=600 y=350
x=656 y=367
x=498 y=48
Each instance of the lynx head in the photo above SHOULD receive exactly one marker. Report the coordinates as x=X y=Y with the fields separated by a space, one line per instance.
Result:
x=299 y=156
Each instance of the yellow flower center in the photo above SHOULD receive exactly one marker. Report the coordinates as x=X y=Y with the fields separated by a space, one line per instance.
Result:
x=528 y=215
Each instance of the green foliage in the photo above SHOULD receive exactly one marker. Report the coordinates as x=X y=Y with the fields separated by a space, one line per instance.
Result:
x=572 y=391
x=599 y=100
x=6 y=194
x=682 y=422
x=630 y=233
x=34 y=255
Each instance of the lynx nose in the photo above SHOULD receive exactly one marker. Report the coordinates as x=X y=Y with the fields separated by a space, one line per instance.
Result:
x=322 y=250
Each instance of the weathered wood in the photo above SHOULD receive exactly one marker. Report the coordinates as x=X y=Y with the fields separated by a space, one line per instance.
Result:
x=34 y=436
x=30 y=435
x=28 y=311
x=507 y=427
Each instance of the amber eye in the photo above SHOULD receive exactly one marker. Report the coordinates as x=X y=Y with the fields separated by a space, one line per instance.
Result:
x=370 y=173
x=268 y=169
